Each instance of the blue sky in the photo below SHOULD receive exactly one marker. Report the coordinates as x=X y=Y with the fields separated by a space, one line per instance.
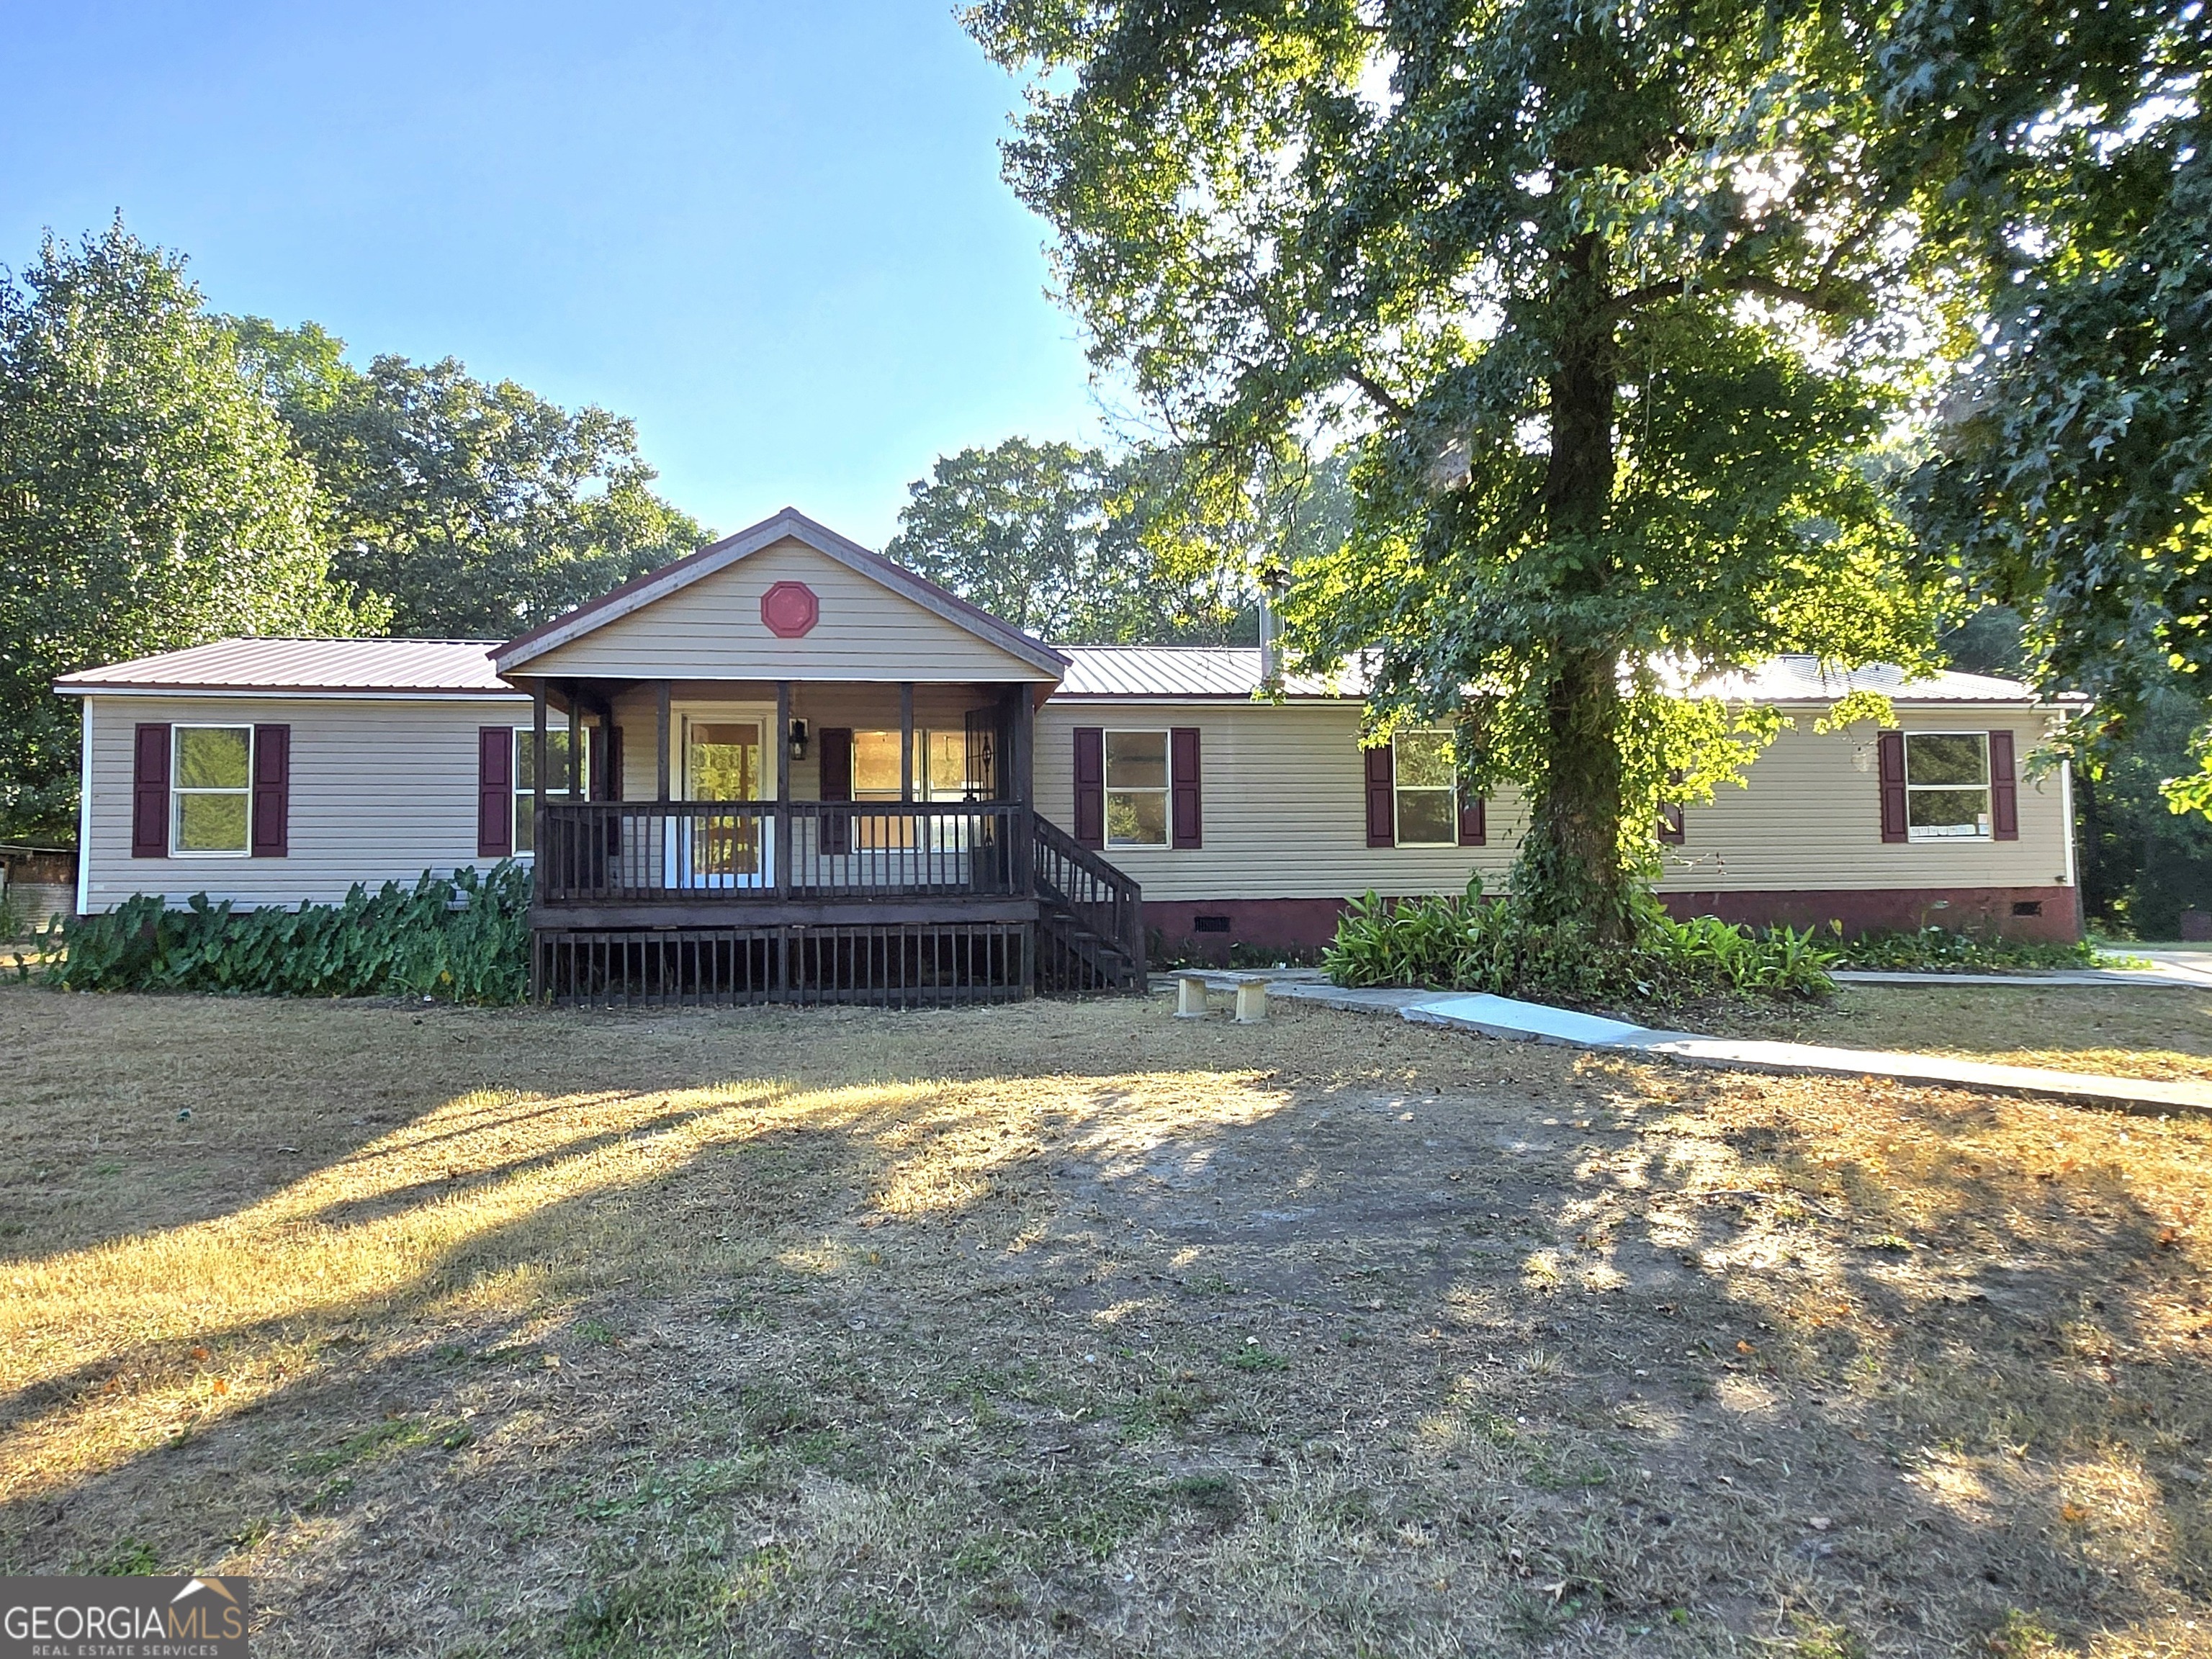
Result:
x=773 y=234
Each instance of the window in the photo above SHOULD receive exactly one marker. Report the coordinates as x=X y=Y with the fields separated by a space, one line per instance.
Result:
x=1427 y=789
x=940 y=766
x=1947 y=786
x=526 y=770
x=876 y=767
x=210 y=790
x=1136 y=788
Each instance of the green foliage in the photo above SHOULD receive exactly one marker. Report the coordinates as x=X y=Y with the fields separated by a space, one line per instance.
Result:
x=1606 y=302
x=1936 y=949
x=465 y=939
x=2064 y=195
x=475 y=509
x=149 y=499
x=1467 y=942
x=1078 y=546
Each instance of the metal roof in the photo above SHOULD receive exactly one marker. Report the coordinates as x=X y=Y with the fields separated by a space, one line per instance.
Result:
x=1208 y=671
x=304 y=665
x=1187 y=671
x=1802 y=680
x=1123 y=672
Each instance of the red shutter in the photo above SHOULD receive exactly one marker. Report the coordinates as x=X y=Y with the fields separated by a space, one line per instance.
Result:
x=1381 y=796
x=835 y=748
x=1184 y=818
x=495 y=792
x=1473 y=820
x=1891 y=751
x=272 y=791
x=1090 y=786
x=2004 y=789
x=149 y=793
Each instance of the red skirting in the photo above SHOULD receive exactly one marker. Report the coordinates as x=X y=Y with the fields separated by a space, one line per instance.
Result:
x=1306 y=925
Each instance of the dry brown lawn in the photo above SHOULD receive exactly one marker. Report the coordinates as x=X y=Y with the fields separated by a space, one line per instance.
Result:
x=2154 y=1031
x=1072 y=1329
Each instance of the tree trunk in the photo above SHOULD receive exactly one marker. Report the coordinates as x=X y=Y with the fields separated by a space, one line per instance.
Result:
x=1571 y=867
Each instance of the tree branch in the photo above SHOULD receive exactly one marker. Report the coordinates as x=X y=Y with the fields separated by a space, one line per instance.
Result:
x=1377 y=392
x=1819 y=297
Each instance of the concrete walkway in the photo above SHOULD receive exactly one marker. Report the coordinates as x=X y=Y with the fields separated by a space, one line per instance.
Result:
x=2177 y=970
x=1510 y=1020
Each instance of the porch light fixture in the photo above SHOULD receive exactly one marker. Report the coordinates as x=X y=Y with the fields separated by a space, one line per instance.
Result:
x=798 y=740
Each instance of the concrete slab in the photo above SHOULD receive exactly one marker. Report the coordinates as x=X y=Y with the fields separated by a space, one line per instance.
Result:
x=1512 y=1020
x=1528 y=1021
x=2158 y=978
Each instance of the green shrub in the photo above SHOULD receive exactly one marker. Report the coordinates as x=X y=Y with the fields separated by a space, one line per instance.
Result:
x=1939 y=948
x=466 y=938
x=1467 y=942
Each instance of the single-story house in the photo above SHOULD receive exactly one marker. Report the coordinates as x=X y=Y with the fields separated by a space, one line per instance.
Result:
x=786 y=765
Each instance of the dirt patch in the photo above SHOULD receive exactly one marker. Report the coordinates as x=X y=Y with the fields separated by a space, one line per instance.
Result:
x=1074 y=1328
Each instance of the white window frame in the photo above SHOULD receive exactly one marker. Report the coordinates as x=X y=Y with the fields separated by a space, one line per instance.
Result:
x=524 y=740
x=178 y=791
x=1165 y=791
x=1986 y=826
x=1397 y=789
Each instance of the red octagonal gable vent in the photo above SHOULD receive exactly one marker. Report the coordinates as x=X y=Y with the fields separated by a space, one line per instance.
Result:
x=790 y=610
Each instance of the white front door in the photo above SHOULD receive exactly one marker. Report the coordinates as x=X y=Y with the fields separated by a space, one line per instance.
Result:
x=725 y=755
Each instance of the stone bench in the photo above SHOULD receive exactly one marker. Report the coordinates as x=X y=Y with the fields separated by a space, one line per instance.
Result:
x=1251 y=990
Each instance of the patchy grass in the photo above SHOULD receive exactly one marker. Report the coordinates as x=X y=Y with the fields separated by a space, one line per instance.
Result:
x=1076 y=1329
x=2153 y=1032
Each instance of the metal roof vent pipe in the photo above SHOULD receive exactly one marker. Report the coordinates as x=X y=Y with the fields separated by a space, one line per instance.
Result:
x=1273 y=580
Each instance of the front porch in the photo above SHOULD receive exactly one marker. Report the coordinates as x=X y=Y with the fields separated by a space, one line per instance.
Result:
x=742 y=805
x=884 y=848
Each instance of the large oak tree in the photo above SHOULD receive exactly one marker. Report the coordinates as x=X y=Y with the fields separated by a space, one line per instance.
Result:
x=1607 y=298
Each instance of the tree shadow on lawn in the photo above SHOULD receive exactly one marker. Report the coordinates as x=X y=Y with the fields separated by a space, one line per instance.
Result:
x=1183 y=1361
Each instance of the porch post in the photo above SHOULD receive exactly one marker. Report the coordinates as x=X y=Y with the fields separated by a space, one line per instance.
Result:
x=575 y=744
x=537 y=758
x=661 y=717
x=1021 y=735
x=783 y=786
x=906 y=742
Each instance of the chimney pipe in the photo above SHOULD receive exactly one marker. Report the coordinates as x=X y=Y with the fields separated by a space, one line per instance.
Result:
x=1273 y=579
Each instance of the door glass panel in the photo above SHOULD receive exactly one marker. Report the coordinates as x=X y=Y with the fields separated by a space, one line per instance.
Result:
x=723 y=760
x=946 y=774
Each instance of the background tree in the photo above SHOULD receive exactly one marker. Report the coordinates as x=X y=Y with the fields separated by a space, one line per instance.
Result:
x=1588 y=287
x=1149 y=546
x=2065 y=189
x=149 y=499
x=475 y=509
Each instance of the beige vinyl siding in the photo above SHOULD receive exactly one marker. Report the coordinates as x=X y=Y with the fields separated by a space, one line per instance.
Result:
x=382 y=790
x=712 y=629
x=1283 y=800
x=1809 y=817
x=862 y=707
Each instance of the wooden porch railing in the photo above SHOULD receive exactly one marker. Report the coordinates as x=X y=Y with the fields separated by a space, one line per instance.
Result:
x=1100 y=897
x=600 y=852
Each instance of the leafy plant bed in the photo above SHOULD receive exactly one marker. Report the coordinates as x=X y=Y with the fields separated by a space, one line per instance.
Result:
x=1936 y=949
x=464 y=939
x=1468 y=942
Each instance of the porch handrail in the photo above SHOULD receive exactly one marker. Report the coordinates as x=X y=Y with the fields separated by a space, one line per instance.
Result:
x=1104 y=899
x=617 y=851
